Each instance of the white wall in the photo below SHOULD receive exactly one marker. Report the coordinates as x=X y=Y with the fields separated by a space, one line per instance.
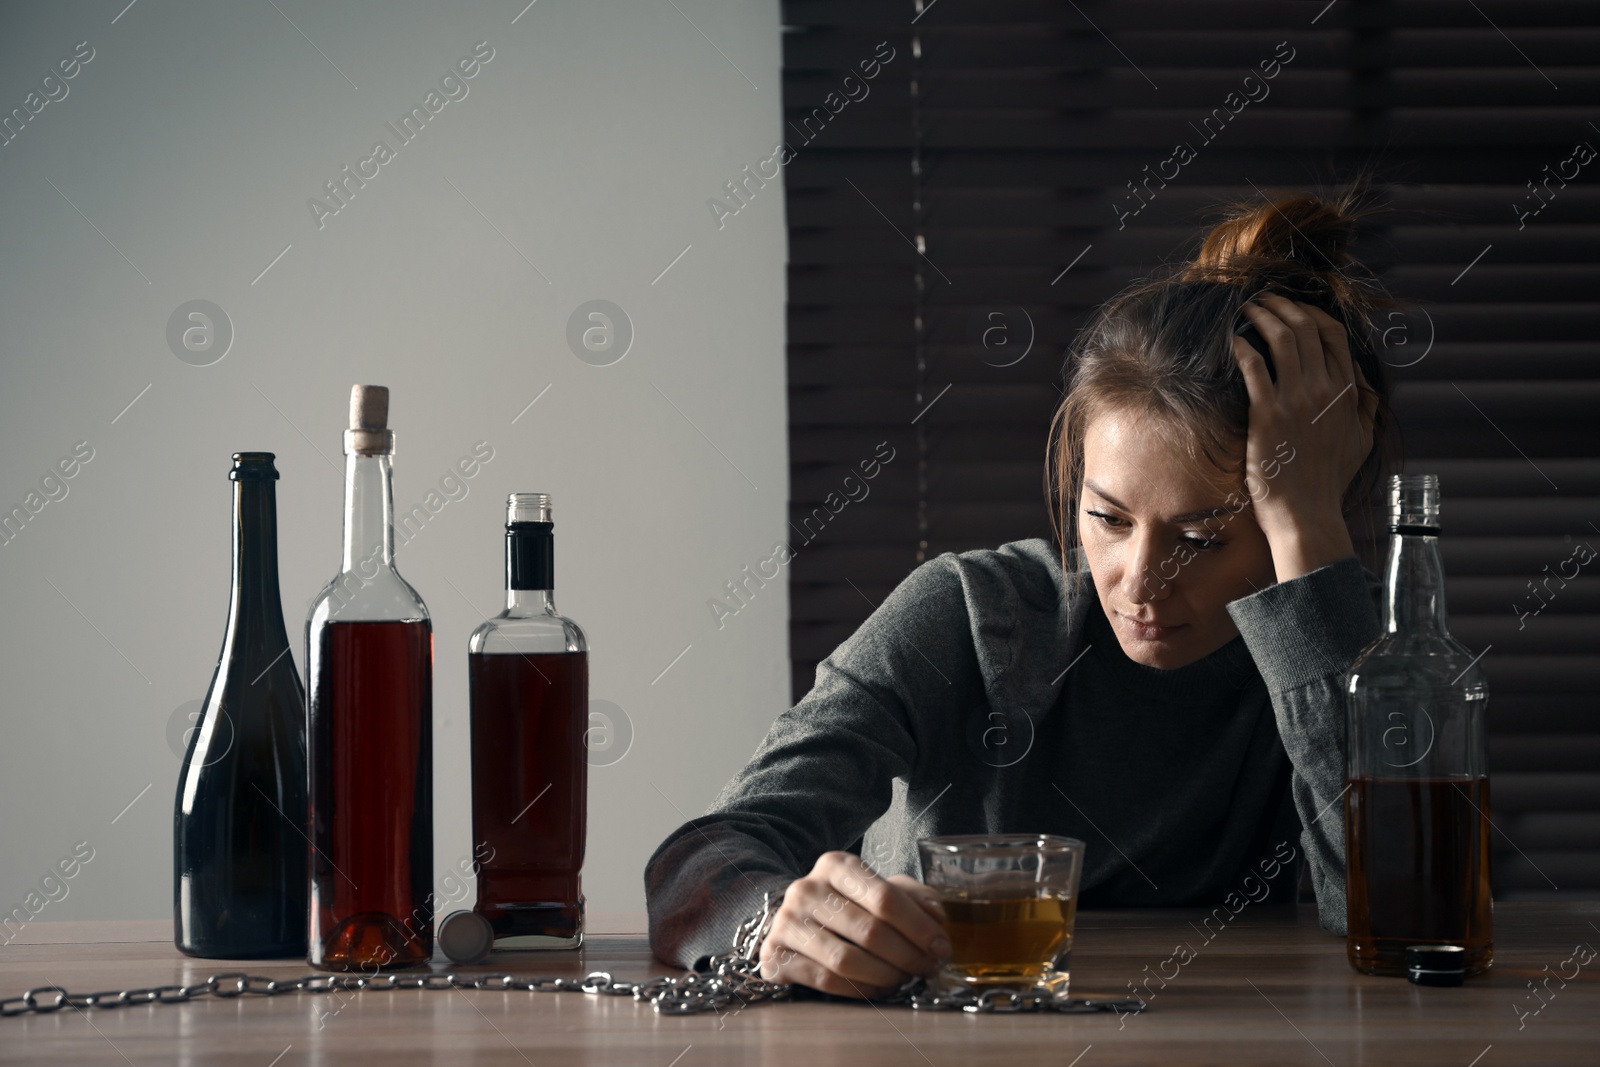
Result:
x=188 y=147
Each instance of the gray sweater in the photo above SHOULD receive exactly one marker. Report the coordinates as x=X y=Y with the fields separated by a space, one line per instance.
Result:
x=984 y=695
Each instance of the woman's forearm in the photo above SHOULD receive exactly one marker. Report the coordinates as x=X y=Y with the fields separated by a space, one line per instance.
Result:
x=1303 y=635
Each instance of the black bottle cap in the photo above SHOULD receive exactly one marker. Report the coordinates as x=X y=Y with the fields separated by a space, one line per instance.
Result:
x=1436 y=964
x=530 y=546
x=465 y=937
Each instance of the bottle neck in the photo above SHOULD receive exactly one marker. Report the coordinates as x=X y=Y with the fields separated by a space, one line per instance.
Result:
x=1413 y=600
x=522 y=603
x=368 y=513
x=254 y=602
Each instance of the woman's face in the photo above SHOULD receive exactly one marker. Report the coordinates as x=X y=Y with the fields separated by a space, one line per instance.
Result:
x=1164 y=545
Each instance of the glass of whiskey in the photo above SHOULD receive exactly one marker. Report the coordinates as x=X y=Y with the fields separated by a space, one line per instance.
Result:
x=1010 y=901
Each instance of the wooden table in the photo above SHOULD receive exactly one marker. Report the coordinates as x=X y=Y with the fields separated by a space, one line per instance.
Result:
x=1269 y=987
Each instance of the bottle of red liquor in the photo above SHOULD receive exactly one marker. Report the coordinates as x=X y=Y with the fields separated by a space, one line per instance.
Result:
x=529 y=674
x=369 y=656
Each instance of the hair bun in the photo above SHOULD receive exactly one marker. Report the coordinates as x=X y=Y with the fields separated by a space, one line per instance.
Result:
x=1297 y=244
x=1302 y=229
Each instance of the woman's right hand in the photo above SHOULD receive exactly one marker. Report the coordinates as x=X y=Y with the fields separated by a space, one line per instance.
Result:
x=847 y=930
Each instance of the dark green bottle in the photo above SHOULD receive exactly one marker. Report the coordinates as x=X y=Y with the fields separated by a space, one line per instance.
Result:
x=239 y=844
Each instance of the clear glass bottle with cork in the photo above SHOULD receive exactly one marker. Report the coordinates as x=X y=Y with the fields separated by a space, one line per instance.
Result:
x=369 y=656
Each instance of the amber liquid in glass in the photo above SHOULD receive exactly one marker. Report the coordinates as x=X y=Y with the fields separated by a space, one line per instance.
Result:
x=1008 y=940
x=530 y=796
x=371 y=795
x=1418 y=870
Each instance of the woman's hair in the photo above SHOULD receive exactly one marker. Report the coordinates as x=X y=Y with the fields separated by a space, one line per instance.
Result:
x=1162 y=349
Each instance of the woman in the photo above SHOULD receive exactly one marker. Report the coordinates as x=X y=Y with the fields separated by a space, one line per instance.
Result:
x=1163 y=682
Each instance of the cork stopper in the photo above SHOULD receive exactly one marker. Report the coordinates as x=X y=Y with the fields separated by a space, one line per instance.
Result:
x=369 y=433
x=369 y=407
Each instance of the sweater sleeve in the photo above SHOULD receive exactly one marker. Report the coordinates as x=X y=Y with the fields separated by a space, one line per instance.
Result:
x=821 y=775
x=1304 y=634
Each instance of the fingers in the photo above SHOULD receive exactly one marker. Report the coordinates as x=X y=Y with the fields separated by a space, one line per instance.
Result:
x=841 y=962
x=1362 y=385
x=1335 y=346
x=1257 y=379
x=844 y=929
x=1344 y=375
x=1307 y=343
x=1309 y=349
x=881 y=943
x=1369 y=396
x=1267 y=313
x=793 y=966
x=885 y=900
x=925 y=895
x=933 y=901
x=850 y=920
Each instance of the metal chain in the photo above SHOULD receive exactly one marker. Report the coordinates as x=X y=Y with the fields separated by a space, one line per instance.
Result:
x=732 y=976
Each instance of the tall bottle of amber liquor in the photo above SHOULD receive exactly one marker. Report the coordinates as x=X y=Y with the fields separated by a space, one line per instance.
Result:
x=1417 y=796
x=369 y=655
x=528 y=669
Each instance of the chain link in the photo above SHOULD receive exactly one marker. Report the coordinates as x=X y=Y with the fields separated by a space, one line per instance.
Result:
x=731 y=977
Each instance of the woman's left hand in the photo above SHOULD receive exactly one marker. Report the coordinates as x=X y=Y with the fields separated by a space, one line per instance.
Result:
x=1310 y=431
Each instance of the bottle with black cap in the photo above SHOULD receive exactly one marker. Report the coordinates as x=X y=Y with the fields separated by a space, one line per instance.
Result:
x=1417 y=796
x=528 y=669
